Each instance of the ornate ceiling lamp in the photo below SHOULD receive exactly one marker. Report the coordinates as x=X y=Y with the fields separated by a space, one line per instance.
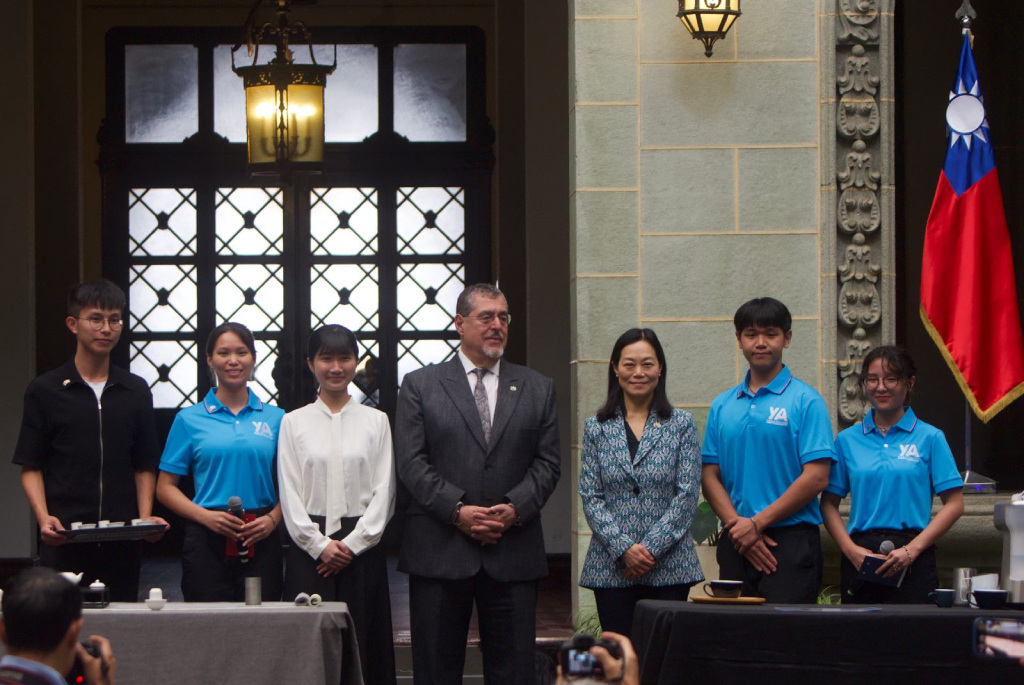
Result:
x=708 y=20
x=284 y=101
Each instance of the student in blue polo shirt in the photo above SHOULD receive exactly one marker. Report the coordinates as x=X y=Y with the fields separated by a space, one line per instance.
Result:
x=766 y=455
x=228 y=442
x=892 y=465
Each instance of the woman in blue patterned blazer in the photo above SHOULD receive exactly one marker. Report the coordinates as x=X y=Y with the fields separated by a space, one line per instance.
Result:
x=639 y=482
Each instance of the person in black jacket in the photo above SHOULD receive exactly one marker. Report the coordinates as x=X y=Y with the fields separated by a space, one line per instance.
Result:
x=88 y=448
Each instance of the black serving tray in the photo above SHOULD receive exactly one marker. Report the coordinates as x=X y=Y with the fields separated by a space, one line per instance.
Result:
x=116 y=534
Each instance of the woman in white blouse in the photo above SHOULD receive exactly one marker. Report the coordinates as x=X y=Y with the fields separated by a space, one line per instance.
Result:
x=337 y=485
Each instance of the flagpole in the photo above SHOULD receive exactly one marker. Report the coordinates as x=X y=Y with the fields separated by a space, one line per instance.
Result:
x=973 y=482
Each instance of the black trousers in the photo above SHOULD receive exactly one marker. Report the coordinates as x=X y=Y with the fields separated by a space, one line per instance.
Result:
x=798 y=577
x=363 y=585
x=440 y=612
x=922 y=577
x=208 y=575
x=615 y=605
x=116 y=564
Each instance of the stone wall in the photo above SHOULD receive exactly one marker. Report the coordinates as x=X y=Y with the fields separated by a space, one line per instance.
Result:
x=695 y=187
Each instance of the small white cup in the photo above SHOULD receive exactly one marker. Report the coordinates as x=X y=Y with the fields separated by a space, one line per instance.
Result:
x=986 y=581
x=104 y=523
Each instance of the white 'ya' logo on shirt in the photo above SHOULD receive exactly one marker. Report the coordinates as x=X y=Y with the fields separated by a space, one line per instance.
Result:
x=777 y=416
x=262 y=429
x=909 y=453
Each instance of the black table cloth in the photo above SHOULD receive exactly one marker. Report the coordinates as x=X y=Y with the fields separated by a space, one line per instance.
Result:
x=683 y=642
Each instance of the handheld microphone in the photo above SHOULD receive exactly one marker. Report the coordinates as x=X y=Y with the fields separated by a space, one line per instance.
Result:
x=236 y=510
x=886 y=547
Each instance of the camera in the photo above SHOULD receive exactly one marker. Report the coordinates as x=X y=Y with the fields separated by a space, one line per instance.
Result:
x=999 y=637
x=77 y=674
x=577 y=662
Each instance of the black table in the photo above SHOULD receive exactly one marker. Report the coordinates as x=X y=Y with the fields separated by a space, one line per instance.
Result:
x=683 y=642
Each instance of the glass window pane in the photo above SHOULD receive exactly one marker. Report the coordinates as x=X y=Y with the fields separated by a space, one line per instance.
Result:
x=343 y=221
x=263 y=384
x=163 y=298
x=345 y=294
x=228 y=92
x=431 y=221
x=161 y=93
x=426 y=295
x=252 y=295
x=169 y=366
x=162 y=221
x=415 y=354
x=430 y=92
x=250 y=221
x=350 y=96
x=365 y=387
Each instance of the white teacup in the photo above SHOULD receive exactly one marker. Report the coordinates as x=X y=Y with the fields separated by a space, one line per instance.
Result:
x=986 y=581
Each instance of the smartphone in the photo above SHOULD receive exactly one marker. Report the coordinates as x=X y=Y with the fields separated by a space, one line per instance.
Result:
x=1000 y=638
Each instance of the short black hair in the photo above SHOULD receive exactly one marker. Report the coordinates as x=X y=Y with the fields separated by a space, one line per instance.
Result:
x=332 y=339
x=467 y=298
x=660 y=404
x=762 y=312
x=898 y=361
x=231 y=327
x=39 y=606
x=101 y=294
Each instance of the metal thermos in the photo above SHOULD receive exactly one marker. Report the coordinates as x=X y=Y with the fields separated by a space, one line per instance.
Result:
x=254 y=591
x=962 y=584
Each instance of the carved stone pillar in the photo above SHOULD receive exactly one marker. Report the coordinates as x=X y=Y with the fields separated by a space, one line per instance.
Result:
x=858 y=189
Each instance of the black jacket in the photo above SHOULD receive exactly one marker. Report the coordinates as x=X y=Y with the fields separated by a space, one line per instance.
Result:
x=88 y=455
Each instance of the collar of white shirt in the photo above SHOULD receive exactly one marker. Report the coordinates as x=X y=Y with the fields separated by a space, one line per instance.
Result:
x=469 y=366
x=323 y=408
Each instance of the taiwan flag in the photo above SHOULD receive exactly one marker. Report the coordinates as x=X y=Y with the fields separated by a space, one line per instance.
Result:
x=968 y=289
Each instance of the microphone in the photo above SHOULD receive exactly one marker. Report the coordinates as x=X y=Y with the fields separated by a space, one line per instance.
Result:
x=886 y=547
x=235 y=509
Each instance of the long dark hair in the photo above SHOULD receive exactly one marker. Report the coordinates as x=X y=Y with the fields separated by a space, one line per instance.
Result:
x=662 y=407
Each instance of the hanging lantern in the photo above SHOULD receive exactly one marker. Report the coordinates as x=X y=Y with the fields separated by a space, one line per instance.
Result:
x=708 y=20
x=284 y=101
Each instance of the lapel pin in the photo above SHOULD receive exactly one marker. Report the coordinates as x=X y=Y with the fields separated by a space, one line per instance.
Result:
x=657 y=424
x=66 y=382
x=512 y=388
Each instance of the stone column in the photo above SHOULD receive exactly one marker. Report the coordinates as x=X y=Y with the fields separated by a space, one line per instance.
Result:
x=858 y=221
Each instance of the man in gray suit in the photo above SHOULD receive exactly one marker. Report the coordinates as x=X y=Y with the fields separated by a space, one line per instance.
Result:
x=472 y=532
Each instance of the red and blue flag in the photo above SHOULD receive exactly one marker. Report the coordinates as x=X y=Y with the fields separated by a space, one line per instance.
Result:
x=968 y=286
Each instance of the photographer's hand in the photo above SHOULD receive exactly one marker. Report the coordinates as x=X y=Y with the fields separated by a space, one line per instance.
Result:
x=628 y=669
x=98 y=671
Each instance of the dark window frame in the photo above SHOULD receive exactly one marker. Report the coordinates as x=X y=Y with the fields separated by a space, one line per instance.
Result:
x=386 y=161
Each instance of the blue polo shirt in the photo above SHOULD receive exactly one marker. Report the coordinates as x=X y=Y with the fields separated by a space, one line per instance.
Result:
x=762 y=441
x=227 y=454
x=892 y=478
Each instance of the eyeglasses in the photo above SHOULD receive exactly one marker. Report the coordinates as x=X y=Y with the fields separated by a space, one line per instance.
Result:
x=487 y=318
x=889 y=382
x=96 y=322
